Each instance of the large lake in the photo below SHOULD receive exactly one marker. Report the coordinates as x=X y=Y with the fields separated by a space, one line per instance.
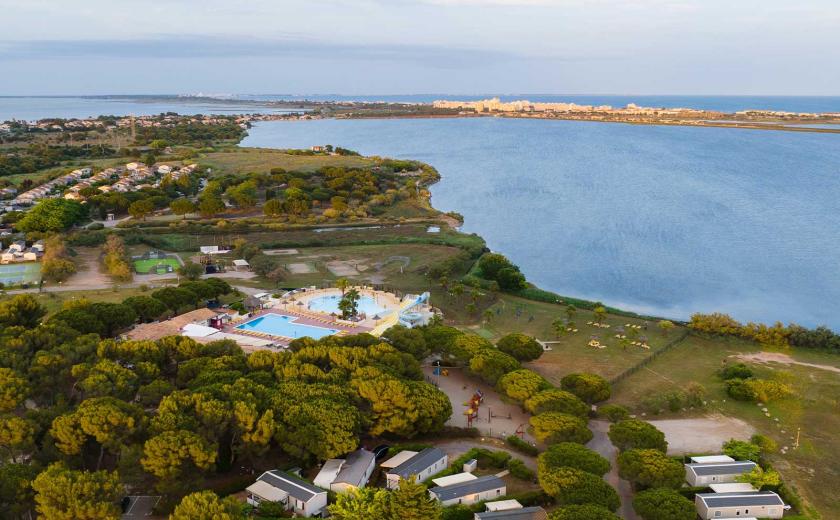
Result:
x=662 y=220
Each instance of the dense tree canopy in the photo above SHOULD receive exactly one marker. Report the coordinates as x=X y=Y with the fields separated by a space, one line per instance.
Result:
x=572 y=486
x=589 y=387
x=52 y=215
x=663 y=504
x=206 y=505
x=520 y=346
x=583 y=512
x=573 y=455
x=554 y=427
x=650 y=468
x=634 y=434
x=64 y=494
x=556 y=400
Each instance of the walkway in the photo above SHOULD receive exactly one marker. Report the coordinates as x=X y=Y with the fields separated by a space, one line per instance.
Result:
x=601 y=443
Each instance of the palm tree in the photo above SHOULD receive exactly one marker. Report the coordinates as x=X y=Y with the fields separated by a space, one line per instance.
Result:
x=600 y=313
x=343 y=284
x=488 y=315
x=559 y=326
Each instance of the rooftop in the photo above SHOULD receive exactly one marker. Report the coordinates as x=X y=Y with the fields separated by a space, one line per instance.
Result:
x=526 y=513
x=354 y=468
x=295 y=487
x=469 y=487
x=738 y=499
x=418 y=463
x=170 y=327
x=724 y=468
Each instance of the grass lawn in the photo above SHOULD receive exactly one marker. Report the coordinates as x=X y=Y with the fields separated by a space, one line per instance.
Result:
x=262 y=160
x=814 y=469
x=572 y=352
x=146 y=266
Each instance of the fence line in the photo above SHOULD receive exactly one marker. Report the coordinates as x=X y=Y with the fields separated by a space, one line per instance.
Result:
x=643 y=363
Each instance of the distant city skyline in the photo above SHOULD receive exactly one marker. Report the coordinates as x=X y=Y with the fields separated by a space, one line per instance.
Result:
x=357 y=47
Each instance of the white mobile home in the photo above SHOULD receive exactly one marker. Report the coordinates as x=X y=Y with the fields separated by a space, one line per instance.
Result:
x=297 y=495
x=342 y=475
x=705 y=474
x=488 y=487
x=420 y=466
x=760 y=504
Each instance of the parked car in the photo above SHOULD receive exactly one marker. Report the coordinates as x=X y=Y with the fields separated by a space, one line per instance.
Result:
x=381 y=451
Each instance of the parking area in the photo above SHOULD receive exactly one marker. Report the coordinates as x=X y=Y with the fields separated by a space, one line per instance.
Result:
x=140 y=507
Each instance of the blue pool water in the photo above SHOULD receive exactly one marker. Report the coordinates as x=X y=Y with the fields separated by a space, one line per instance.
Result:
x=329 y=305
x=281 y=325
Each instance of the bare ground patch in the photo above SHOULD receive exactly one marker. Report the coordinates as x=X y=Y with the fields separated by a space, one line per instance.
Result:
x=301 y=268
x=784 y=359
x=702 y=434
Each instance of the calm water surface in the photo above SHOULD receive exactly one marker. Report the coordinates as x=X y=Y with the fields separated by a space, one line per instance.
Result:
x=665 y=220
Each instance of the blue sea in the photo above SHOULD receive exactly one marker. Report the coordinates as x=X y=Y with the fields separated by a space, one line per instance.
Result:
x=661 y=220
x=30 y=108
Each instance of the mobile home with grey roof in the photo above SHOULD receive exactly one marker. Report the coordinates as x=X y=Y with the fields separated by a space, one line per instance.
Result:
x=760 y=504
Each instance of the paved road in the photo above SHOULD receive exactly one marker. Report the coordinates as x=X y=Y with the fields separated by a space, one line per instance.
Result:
x=601 y=443
x=457 y=447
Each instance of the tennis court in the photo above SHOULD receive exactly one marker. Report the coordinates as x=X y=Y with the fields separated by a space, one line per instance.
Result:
x=14 y=274
x=156 y=265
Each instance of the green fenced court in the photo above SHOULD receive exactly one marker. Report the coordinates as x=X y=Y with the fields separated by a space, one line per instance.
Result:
x=16 y=274
x=156 y=265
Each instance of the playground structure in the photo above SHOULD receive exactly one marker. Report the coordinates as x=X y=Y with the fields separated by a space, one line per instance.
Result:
x=472 y=407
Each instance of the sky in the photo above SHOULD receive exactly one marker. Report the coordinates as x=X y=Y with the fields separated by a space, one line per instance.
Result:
x=724 y=47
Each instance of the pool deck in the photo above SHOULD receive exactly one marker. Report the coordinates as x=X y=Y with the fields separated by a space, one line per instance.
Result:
x=301 y=317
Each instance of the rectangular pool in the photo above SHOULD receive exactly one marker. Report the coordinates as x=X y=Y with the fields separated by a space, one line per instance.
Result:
x=285 y=326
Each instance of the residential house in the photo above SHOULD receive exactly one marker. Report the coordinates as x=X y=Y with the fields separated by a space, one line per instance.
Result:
x=471 y=491
x=342 y=475
x=700 y=475
x=299 y=496
x=760 y=504
x=421 y=466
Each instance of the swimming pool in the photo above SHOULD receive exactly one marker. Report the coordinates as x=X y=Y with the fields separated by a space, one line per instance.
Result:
x=328 y=304
x=282 y=325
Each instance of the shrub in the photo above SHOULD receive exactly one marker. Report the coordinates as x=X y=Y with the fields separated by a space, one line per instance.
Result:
x=736 y=371
x=519 y=445
x=741 y=450
x=556 y=400
x=663 y=504
x=589 y=387
x=650 y=468
x=634 y=434
x=765 y=443
x=553 y=427
x=522 y=384
x=582 y=512
x=757 y=390
x=613 y=412
x=520 y=346
x=519 y=470
x=573 y=455
x=573 y=486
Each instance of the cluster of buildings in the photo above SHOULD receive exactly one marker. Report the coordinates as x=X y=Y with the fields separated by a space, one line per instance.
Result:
x=354 y=472
x=133 y=176
x=729 y=498
x=495 y=105
x=18 y=252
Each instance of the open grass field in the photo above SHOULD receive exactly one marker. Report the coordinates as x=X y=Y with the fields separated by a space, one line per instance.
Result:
x=571 y=353
x=53 y=301
x=155 y=265
x=262 y=160
x=813 y=468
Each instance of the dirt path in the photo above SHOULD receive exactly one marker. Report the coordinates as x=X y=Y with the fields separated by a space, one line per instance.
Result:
x=784 y=359
x=601 y=443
